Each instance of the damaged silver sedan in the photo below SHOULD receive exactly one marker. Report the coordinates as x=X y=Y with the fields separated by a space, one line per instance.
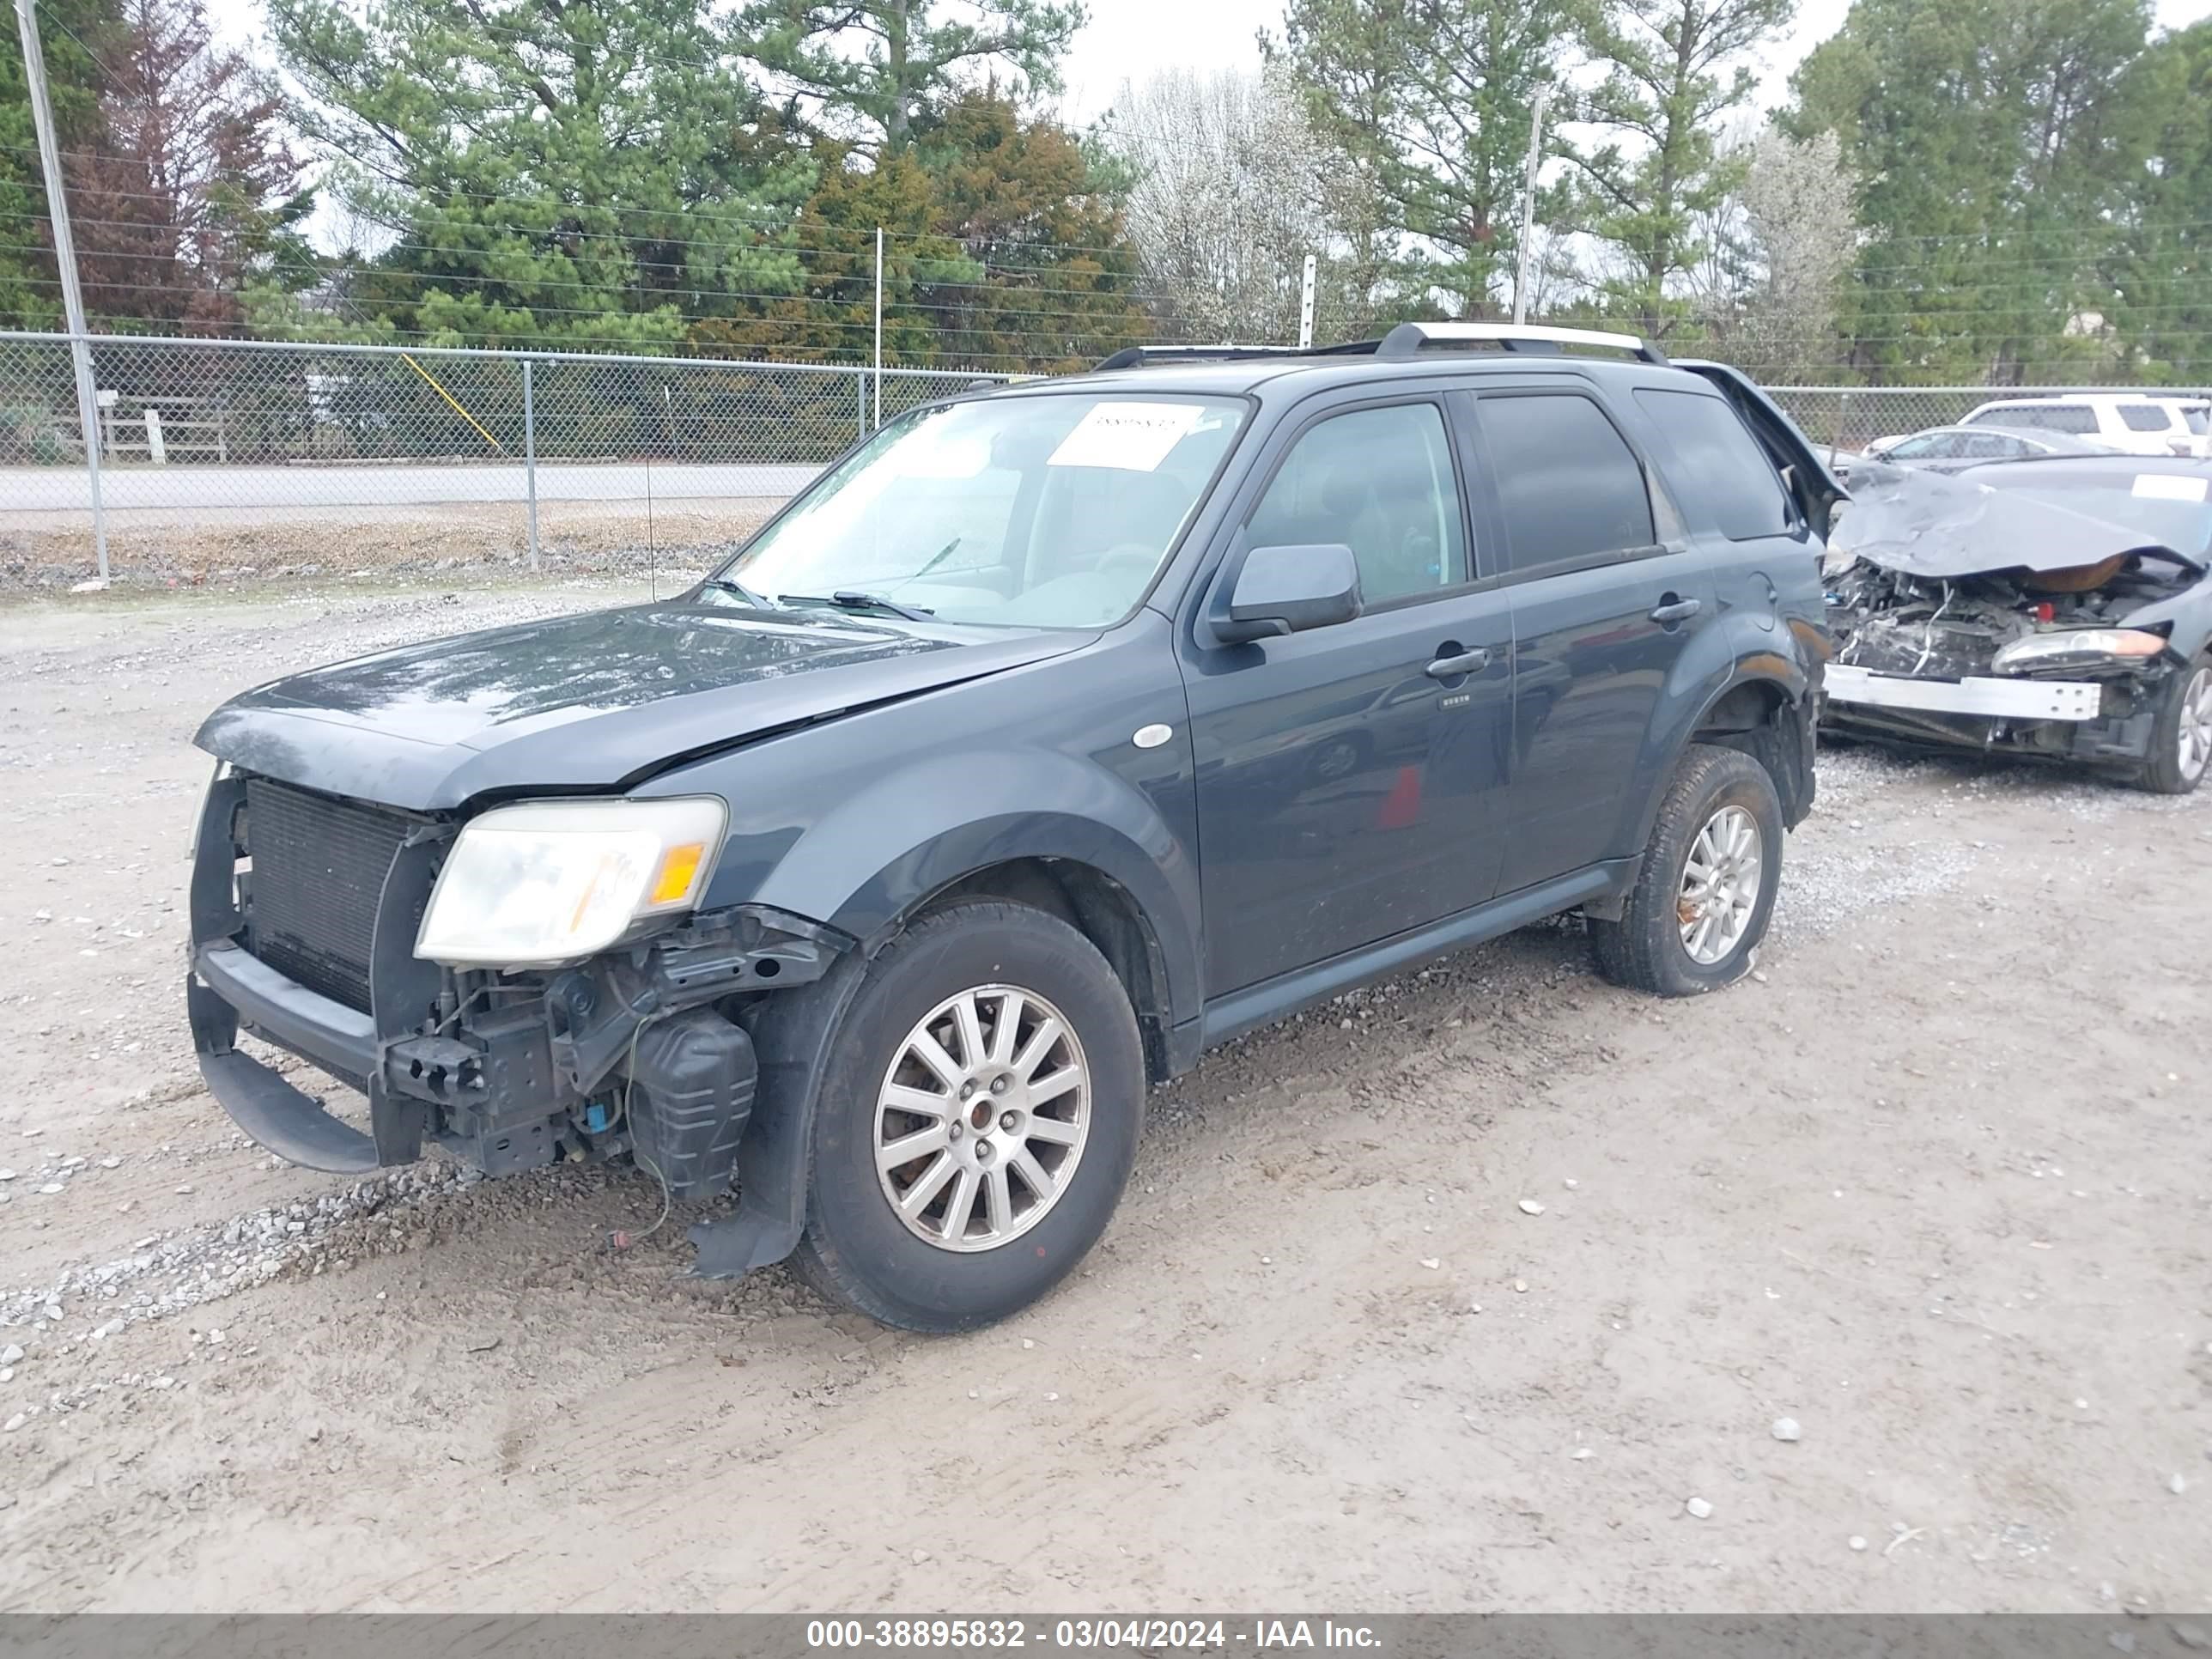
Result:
x=2055 y=609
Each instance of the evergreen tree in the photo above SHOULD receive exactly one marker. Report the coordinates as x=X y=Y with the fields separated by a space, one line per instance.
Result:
x=69 y=31
x=1998 y=144
x=594 y=172
x=1673 y=74
x=879 y=71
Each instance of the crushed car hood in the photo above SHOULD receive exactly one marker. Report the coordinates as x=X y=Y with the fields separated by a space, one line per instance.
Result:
x=1933 y=526
x=598 y=700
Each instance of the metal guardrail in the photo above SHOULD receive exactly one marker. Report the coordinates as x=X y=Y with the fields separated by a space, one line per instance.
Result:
x=260 y=452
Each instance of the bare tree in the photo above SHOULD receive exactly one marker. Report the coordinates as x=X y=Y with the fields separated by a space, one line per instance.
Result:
x=195 y=193
x=1230 y=181
x=1800 y=208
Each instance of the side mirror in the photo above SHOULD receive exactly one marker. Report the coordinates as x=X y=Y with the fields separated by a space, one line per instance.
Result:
x=1287 y=590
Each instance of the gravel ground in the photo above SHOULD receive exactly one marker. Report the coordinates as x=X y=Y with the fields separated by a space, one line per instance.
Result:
x=1880 y=1282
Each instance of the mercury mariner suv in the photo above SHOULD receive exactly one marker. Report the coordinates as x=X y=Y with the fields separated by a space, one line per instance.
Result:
x=1056 y=734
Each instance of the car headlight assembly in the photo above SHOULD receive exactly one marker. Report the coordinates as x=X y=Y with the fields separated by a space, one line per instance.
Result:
x=2077 y=648
x=548 y=882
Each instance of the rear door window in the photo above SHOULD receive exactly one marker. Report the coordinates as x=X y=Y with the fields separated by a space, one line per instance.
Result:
x=1716 y=465
x=2144 y=417
x=1568 y=486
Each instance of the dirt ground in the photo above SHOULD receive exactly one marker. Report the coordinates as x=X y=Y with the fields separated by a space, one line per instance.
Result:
x=1934 y=1184
x=155 y=550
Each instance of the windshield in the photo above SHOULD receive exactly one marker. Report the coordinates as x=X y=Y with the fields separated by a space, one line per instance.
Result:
x=2167 y=509
x=1051 y=510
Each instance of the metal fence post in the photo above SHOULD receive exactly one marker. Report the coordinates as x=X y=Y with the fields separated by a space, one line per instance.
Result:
x=879 y=325
x=860 y=385
x=50 y=162
x=1843 y=422
x=530 y=456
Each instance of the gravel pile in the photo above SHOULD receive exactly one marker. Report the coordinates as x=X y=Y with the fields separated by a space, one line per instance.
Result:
x=166 y=1274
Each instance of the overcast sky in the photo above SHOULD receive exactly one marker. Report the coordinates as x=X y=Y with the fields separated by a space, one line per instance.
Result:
x=1127 y=39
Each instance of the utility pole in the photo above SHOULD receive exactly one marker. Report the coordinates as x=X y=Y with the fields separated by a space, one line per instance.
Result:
x=1528 y=205
x=879 y=322
x=87 y=409
x=1306 y=305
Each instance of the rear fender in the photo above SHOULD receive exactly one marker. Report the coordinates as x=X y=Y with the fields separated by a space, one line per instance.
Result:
x=1737 y=653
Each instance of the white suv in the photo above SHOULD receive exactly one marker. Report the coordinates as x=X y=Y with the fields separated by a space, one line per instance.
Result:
x=2135 y=424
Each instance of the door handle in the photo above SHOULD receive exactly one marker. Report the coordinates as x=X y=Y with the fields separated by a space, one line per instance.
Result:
x=1672 y=611
x=1467 y=662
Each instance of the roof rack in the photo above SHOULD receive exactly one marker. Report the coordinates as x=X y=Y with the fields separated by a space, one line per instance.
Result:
x=1142 y=356
x=1407 y=338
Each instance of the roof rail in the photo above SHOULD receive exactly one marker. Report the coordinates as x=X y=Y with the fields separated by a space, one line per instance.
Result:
x=1141 y=356
x=1408 y=338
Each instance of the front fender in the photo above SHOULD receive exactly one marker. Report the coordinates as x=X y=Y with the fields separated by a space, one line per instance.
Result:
x=2188 y=619
x=867 y=862
x=864 y=866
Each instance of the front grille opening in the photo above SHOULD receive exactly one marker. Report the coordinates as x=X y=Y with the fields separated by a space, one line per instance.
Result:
x=316 y=869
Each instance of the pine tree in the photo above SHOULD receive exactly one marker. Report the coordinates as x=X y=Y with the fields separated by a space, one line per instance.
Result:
x=589 y=172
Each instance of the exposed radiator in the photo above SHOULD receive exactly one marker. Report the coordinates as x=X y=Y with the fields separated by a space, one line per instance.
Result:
x=317 y=872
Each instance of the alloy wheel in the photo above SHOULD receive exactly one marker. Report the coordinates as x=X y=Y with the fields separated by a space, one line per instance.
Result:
x=2193 y=741
x=982 y=1118
x=1720 y=886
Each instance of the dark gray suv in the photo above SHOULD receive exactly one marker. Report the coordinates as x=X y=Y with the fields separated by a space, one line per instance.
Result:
x=1055 y=735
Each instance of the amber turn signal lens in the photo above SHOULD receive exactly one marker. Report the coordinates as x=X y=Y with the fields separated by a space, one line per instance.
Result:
x=679 y=868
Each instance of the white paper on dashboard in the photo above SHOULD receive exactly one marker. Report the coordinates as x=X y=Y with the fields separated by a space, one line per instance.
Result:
x=2170 y=486
x=1135 y=437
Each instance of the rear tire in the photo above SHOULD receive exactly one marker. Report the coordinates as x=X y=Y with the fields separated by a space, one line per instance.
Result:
x=994 y=1043
x=1683 y=930
x=2181 y=735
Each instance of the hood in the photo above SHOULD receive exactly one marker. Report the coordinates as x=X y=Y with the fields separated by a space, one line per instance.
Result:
x=593 y=702
x=1934 y=526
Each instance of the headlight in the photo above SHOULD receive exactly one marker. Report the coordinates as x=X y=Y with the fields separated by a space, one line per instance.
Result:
x=2086 y=647
x=550 y=881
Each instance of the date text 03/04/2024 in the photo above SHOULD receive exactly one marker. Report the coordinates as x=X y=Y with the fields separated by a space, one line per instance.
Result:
x=1202 y=1635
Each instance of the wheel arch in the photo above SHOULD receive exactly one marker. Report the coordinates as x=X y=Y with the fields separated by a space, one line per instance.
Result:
x=1763 y=709
x=1102 y=910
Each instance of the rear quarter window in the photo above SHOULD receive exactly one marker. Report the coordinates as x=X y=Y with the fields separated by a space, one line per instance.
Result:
x=1716 y=466
x=2079 y=418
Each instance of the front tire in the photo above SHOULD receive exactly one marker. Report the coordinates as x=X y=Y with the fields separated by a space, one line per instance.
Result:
x=2181 y=735
x=977 y=1122
x=1705 y=890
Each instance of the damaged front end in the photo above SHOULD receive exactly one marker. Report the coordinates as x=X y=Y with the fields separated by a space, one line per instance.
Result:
x=307 y=910
x=1969 y=618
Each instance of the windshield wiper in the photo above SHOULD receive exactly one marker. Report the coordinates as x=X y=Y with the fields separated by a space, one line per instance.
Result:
x=848 y=598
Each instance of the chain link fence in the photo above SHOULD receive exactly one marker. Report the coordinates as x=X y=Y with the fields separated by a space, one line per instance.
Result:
x=236 y=457
x=1849 y=418
x=229 y=459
